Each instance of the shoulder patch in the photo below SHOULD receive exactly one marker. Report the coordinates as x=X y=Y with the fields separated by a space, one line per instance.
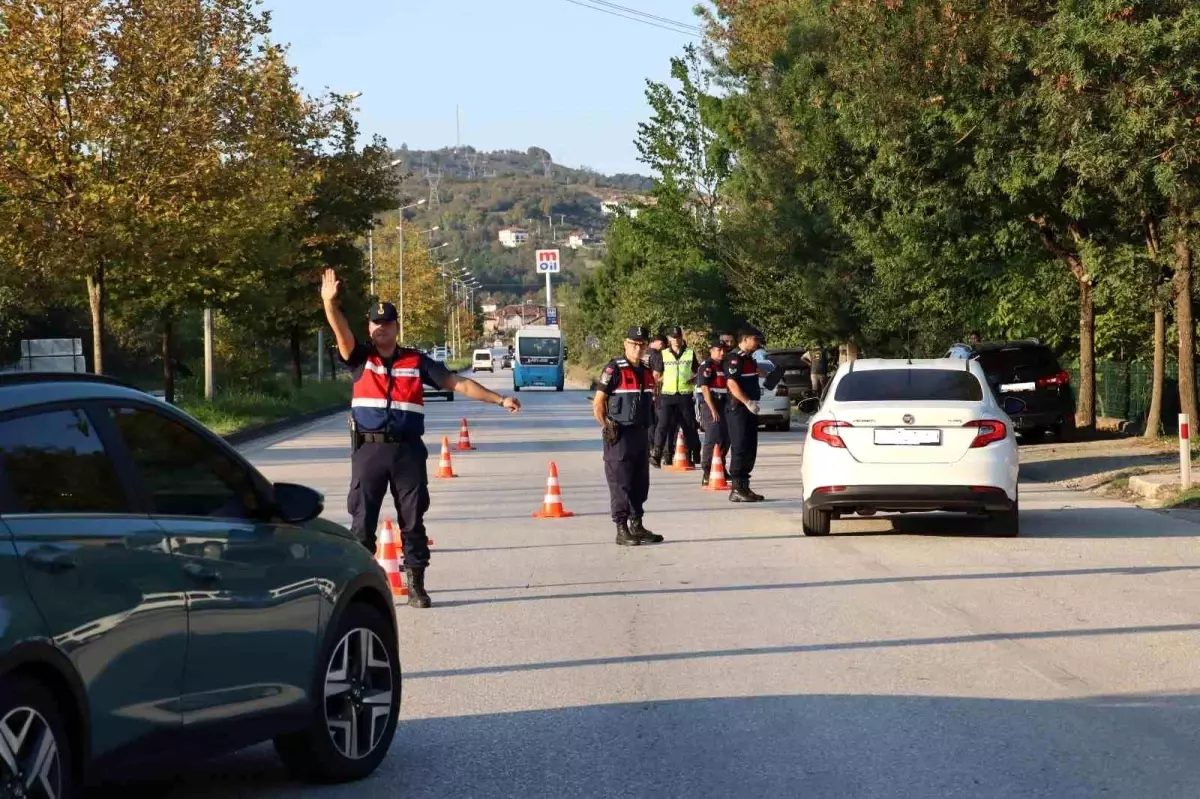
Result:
x=607 y=375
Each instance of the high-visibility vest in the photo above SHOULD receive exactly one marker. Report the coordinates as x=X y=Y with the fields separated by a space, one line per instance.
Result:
x=677 y=371
x=390 y=399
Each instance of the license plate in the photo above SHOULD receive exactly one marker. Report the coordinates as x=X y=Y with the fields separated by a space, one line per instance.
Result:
x=907 y=437
x=1018 y=386
x=792 y=372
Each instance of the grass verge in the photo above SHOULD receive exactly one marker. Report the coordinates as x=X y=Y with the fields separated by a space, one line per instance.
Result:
x=239 y=408
x=1189 y=499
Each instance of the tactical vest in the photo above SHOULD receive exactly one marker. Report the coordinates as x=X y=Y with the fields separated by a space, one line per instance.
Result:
x=718 y=384
x=392 y=399
x=748 y=377
x=677 y=370
x=632 y=395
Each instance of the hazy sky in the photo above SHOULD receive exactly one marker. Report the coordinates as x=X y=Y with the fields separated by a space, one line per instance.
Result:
x=523 y=72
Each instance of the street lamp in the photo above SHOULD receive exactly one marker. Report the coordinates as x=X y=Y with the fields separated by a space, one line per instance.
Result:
x=401 y=228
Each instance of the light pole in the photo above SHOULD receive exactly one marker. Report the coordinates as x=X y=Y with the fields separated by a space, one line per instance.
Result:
x=371 y=257
x=401 y=229
x=445 y=298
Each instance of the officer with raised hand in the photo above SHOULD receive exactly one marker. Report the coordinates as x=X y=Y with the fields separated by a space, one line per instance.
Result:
x=387 y=407
x=623 y=405
x=742 y=372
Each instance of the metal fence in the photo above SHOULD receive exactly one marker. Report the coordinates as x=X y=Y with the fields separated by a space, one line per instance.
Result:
x=1123 y=389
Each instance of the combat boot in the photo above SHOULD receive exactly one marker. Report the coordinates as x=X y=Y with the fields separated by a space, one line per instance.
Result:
x=415 y=577
x=704 y=479
x=625 y=536
x=656 y=457
x=740 y=492
x=753 y=496
x=644 y=535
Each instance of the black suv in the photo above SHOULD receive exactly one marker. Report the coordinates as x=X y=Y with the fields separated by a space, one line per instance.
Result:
x=161 y=601
x=1027 y=370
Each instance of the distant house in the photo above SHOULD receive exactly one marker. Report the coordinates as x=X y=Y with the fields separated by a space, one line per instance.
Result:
x=616 y=204
x=513 y=236
x=577 y=239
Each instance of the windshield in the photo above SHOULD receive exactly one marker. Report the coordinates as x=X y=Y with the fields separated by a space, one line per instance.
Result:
x=909 y=385
x=539 y=348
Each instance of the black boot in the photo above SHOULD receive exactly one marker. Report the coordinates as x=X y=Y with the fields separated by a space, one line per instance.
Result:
x=415 y=576
x=656 y=457
x=704 y=479
x=641 y=533
x=625 y=537
x=740 y=492
x=754 y=496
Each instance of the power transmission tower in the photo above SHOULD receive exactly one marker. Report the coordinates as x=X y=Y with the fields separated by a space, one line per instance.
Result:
x=472 y=160
x=547 y=166
x=433 y=179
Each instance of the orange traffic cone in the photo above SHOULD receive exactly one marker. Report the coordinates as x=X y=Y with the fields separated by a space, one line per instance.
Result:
x=682 y=462
x=716 y=477
x=444 y=468
x=385 y=556
x=464 y=437
x=552 y=506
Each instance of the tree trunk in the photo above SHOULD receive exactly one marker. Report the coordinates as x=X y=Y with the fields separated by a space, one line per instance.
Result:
x=1187 y=327
x=95 y=290
x=1154 y=418
x=168 y=346
x=297 y=370
x=1086 y=416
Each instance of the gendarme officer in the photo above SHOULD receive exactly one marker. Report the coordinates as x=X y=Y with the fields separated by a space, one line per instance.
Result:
x=623 y=405
x=387 y=407
x=741 y=412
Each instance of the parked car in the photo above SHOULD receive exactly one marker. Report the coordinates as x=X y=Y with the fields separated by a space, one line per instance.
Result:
x=482 y=360
x=163 y=602
x=775 y=407
x=1028 y=370
x=796 y=374
x=910 y=436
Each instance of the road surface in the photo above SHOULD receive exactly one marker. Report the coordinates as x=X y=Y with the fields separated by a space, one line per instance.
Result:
x=742 y=659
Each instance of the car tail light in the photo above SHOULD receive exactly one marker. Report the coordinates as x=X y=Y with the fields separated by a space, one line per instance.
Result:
x=988 y=431
x=829 y=490
x=826 y=432
x=1061 y=379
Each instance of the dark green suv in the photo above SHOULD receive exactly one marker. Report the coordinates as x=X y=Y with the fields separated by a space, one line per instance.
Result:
x=161 y=600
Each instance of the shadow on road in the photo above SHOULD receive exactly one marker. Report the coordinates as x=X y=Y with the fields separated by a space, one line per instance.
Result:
x=816 y=746
x=1058 y=523
x=1050 y=471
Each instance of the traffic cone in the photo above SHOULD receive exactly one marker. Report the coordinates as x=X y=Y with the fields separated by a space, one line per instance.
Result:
x=385 y=556
x=464 y=437
x=716 y=477
x=444 y=468
x=681 y=462
x=552 y=506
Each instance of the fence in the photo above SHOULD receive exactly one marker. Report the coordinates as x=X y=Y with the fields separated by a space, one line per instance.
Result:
x=1123 y=390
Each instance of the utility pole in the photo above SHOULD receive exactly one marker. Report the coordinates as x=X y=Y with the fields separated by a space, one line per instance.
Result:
x=371 y=257
x=208 y=354
x=401 y=229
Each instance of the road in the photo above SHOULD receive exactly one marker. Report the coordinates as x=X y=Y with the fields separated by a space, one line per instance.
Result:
x=742 y=659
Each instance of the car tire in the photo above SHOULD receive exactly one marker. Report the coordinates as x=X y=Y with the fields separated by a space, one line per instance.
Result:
x=1032 y=435
x=816 y=521
x=1066 y=432
x=516 y=388
x=785 y=426
x=318 y=753
x=1006 y=524
x=450 y=397
x=27 y=711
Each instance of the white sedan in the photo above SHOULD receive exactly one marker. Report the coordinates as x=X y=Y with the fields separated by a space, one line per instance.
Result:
x=910 y=436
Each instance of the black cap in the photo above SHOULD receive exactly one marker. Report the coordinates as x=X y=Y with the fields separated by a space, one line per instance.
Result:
x=637 y=333
x=675 y=332
x=751 y=330
x=383 y=312
x=716 y=342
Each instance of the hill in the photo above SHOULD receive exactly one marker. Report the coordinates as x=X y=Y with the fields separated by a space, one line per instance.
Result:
x=472 y=195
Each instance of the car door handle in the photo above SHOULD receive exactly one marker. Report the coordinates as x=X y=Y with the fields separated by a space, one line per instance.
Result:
x=51 y=559
x=202 y=572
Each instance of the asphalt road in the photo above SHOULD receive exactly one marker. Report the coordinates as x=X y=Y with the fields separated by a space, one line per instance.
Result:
x=742 y=659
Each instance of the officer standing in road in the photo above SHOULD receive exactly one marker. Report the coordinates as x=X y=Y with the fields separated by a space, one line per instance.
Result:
x=679 y=365
x=623 y=405
x=741 y=414
x=387 y=408
x=711 y=387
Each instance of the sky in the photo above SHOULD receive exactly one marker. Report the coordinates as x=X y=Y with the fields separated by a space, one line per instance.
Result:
x=523 y=73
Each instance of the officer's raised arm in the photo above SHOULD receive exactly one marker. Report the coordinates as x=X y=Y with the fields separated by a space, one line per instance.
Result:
x=337 y=320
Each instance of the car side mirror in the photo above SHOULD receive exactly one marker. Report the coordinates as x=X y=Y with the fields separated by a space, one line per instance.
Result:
x=1013 y=405
x=297 y=503
x=809 y=405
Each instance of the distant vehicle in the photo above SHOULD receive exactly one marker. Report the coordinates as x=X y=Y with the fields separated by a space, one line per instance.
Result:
x=502 y=357
x=439 y=353
x=164 y=602
x=1028 y=370
x=910 y=436
x=540 y=358
x=482 y=359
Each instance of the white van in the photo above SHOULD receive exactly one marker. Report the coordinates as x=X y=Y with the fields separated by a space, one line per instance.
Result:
x=483 y=360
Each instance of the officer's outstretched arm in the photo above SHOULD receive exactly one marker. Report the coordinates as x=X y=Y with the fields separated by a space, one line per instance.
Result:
x=469 y=388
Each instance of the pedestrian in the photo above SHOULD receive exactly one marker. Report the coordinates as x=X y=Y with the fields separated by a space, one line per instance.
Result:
x=676 y=381
x=818 y=364
x=711 y=385
x=387 y=410
x=741 y=412
x=622 y=405
x=973 y=339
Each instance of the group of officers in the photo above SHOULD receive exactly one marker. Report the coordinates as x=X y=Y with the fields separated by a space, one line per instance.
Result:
x=653 y=390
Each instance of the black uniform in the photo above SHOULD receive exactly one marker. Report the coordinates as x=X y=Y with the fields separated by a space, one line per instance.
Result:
x=716 y=431
x=740 y=367
x=630 y=391
x=387 y=409
x=677 y=413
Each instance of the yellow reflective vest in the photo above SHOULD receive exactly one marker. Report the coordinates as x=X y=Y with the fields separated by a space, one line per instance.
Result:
x=677 y=371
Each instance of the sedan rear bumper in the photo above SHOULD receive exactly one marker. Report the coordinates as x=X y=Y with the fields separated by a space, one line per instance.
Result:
x=902 y=498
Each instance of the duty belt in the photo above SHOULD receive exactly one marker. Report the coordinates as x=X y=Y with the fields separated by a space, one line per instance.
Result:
x=381 y=438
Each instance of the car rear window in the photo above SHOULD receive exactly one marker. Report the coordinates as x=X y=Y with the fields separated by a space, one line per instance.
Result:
x=909 y=385
x=1019 y=359
x=787 y=359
